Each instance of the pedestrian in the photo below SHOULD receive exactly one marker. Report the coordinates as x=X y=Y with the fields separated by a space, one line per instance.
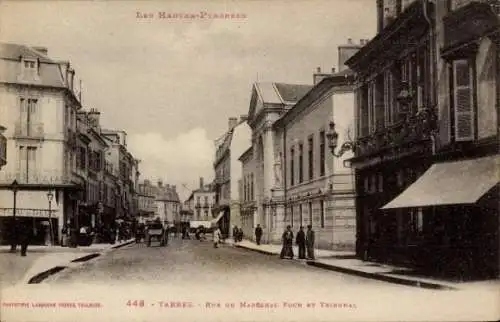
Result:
x=217 y=237
x=240 y=234
x=236 y=232
x=258 y=234
x=287 y=238
x=300 y=240
x=25 y=235
x=310 y=242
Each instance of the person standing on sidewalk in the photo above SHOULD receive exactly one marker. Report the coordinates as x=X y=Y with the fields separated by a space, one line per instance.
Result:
x=25 y=235
x=310 y=242
x=287 y=238
x=300 y=240
x=258 y=234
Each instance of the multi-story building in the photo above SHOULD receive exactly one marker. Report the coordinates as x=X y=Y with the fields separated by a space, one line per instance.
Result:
x=167 y=204
x=89 y=165
x=228 y=173
x=426 y=150
x=146 y=198
x=3 y=147
x=39 y=103
x=247 y=193
x=318 y=186
x=269 y=101
x=202 y=202
x=121 y=159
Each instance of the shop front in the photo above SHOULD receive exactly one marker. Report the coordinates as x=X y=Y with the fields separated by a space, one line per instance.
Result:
x=456 y=231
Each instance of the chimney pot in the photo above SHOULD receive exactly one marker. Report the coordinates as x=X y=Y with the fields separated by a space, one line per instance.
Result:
x=201 y=182
x=349 y=41
x=318 y=69
x=333 y=70
x=232 y=122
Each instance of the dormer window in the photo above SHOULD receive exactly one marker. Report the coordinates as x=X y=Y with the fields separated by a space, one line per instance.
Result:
x=30 y=68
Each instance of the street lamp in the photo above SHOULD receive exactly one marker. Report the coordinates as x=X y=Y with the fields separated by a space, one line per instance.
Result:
x=13 y=239
x=333 y=137
x=50 y=196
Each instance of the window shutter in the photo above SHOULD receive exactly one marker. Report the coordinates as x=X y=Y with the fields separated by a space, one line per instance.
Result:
x=464 y=114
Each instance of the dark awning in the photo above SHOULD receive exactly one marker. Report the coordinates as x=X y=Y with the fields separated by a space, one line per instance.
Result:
x=459 y=182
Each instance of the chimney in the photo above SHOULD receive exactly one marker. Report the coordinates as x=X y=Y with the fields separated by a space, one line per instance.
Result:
x=201 y=182
x=347 y=51
x=94 y=116
x=318 y=70
x=71 y=78
x=42 y=50
x=333 y=70
x=243 y=118
x=232 y=122
x=319 y=76
x=160 y=183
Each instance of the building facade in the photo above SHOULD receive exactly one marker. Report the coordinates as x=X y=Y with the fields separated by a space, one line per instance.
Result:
x=268 y=102
x=146 y=199
x=247 y=192
x=167 y=204
x=228 y=173
x=39 y=102
x=318 y=186
x=426 y=150
x=202 y=202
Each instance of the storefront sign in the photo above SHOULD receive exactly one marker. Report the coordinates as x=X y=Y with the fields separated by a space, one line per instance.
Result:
x=22 y=212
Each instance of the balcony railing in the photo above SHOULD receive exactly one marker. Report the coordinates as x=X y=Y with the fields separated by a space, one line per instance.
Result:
x=495 y=6
x=415 y=128
x=31 y=131
x=38 y=177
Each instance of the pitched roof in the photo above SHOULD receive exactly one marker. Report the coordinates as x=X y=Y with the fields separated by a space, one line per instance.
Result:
x=50 y=73
x=14 y=51
x=281 y=93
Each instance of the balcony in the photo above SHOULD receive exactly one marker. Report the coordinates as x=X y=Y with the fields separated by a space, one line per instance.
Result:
x=468 y=21
x=400 y=136
x=47 y=177
x=29 y=131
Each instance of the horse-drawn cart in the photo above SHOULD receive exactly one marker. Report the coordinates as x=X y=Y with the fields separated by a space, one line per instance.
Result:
x=157 y=232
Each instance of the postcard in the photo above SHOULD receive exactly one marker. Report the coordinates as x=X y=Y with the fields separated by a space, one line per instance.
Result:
x=251 y=160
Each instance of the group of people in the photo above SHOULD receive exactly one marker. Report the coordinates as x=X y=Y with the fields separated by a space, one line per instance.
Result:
x=304 y=240
x=237 y=234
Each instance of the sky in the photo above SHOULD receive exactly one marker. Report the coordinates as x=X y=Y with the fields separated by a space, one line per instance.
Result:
x=172 y=83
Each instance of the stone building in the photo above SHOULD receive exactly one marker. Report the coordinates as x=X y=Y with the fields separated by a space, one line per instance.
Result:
x=426 y=149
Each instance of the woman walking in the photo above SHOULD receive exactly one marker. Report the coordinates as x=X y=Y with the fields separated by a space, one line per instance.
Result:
x=217 y=237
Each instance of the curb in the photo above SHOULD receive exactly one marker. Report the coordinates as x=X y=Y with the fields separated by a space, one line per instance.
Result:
x=40 y=277
x=256 y=250
x=380 y=277
x=124 y=244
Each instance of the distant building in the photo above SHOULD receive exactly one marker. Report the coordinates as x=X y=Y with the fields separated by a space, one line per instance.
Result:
x=146 y=198
x=201 y=202
x=228 y=173
x=167 y=204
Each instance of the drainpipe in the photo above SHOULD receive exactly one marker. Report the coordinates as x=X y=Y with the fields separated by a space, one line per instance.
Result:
x=432 y=68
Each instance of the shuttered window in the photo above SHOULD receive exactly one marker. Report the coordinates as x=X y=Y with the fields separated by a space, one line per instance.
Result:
x=463 y=100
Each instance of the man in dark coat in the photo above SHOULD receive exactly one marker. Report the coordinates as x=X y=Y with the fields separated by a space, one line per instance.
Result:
x=25 y=234
x=258 y=234
x=287 y=237
x=310 y=242
x=300 y=240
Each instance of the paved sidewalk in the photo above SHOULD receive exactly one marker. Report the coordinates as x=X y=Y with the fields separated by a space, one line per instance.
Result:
x=345 y=262
x=15 y=269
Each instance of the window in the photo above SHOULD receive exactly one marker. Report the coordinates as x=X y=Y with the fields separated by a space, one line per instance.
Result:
x=301 y=163
x=380 y=182
x=28 y=115
x=364 y=97
x=27 y=163
x=30 y=68
x=292 y=167
x=389 y=97
x=198 y=200
x=198 y=213
x=291 y=215
x=463 y=101
x=322 y=213
x=371 y=107
x=322 y=153
x=416 y=223
x=252 y=196
x=300 y=215
x=311 y=157
x=310 y=213
x=245 y=194
x=379 y=104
